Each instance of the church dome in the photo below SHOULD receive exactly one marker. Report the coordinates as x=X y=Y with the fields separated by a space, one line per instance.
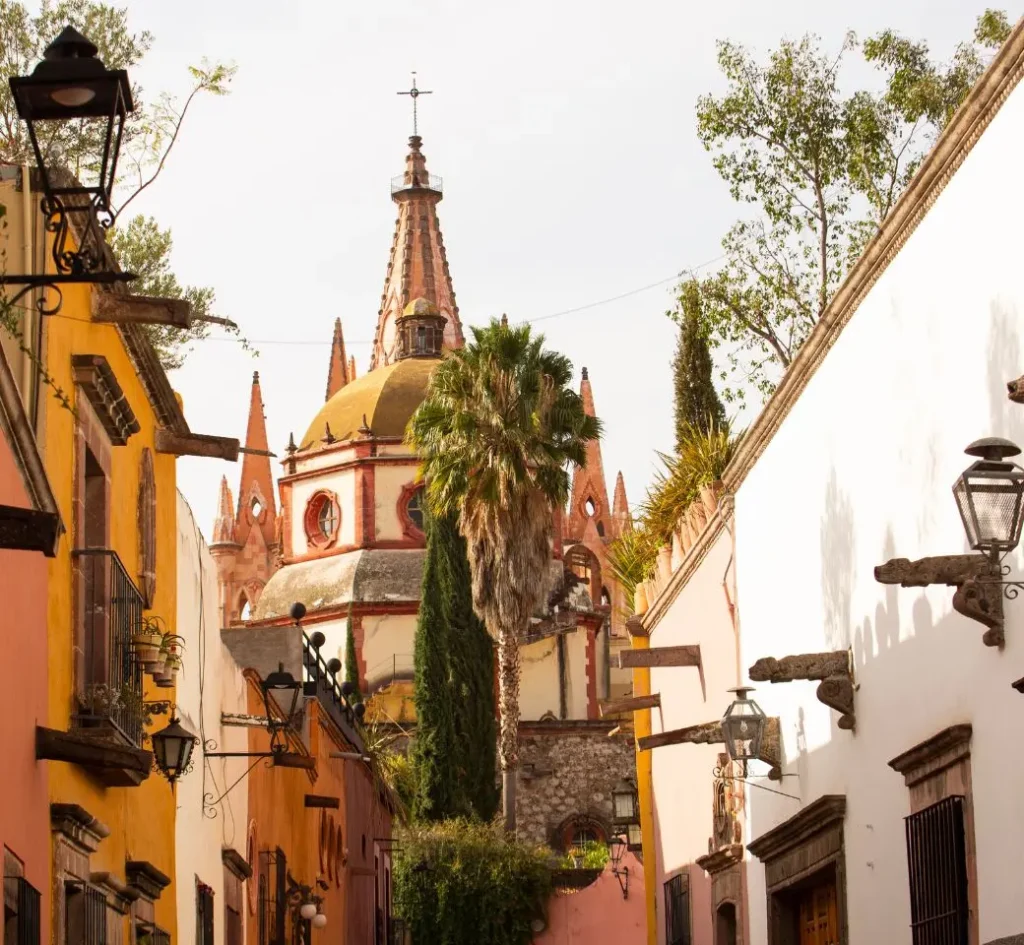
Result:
x=387 y=397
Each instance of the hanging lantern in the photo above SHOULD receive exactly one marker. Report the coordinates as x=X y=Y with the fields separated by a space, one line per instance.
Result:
x=743 y=726
x=172 y=749
x=990 y=497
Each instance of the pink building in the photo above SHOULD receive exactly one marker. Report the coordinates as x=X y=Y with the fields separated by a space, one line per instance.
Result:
x=30 y=528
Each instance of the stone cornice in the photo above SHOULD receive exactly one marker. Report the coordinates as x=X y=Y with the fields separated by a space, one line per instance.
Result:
x=146 y=879
x=236 y=863
x=697 y=552
x=79 y=826
x=721 y=859
x=94 y=375
x=938 y=752
x=825 y=812
x=948 y=153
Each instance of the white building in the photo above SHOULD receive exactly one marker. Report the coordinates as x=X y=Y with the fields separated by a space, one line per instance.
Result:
x=850 y=465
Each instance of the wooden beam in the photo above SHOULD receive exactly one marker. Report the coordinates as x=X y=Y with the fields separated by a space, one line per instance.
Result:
x=288 y=759
x=197 y=444
x=632 y=704
x=141 y=310
x=117 y=765
x=660 y=656
x=29 y=530
x=320 y=800
x=707 y=733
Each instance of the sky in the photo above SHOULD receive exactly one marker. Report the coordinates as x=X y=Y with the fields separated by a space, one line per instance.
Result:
x=565 y=133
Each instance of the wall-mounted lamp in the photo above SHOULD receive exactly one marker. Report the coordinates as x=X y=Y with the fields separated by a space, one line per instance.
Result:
x=743 y=728
x=616 y=851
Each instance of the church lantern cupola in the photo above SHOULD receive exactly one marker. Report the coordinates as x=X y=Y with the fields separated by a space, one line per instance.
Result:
x=420 y=331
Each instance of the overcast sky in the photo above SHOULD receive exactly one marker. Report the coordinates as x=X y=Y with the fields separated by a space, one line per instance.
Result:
x=565 y=134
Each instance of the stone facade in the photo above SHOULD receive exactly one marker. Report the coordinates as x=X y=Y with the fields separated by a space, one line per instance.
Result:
x=568 y=773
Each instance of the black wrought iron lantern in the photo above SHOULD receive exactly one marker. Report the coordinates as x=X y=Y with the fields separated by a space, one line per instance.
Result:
x=70 y=83
x=617 y=848
x=172 y=749
x=990 y=497
x=282 y=688
x=624 y=803
x=743 y=727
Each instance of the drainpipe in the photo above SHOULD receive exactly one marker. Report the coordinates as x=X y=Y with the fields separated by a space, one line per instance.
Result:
x=26 y=251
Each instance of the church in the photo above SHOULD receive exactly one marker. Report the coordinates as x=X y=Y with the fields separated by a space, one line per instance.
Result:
x=342 y=533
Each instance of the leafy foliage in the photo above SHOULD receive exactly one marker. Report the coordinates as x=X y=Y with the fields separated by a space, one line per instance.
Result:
x=821 y=169
x=631 y=557
x=592 y=855
x=463 y=883
x=696 y=401
x=496 y=433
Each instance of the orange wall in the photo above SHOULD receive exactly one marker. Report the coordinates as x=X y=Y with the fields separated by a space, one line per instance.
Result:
x=25 y=811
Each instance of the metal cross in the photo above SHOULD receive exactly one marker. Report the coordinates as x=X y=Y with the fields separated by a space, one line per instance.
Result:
x=414 y=93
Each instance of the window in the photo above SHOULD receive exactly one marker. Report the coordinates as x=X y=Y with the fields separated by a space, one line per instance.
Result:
x=246 y=612
x=677 y=911
x=937 y=864
x=85 y=914
x=204 y=914
x=21 y=912
x=322 y=519
x=147 y=529
x=414 y=508
x=273 y=897
x=590 y=508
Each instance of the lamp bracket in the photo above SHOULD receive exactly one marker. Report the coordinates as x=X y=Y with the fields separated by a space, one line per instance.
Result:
x=833 y=669
x=622 y=875
x=710 y=733
x=977 y=580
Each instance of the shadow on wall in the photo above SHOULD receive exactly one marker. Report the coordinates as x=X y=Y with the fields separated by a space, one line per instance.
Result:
x=838 y=568
x=598 y=914
x=1006 y=419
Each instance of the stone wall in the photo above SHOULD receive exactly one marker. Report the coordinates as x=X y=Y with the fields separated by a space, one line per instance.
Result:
x=569 y=770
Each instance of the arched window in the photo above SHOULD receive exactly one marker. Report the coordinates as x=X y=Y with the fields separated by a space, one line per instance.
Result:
x=414 y=508
x=410 y=511
x=576 y=832
x=725 y=924
x=246 y=610
x=147 y=529
x=590 y=507
x=322 y=520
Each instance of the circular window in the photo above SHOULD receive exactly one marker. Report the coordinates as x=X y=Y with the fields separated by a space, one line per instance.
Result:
x=414 y=508
x=411 y=509
x=322 y=519
x=252 y=858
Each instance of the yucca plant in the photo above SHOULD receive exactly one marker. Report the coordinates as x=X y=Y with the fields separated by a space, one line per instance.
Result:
x=631 y=559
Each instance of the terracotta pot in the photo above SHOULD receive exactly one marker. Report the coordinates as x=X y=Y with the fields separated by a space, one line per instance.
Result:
x=640 y=599
x=709 y=496
x=164 y=679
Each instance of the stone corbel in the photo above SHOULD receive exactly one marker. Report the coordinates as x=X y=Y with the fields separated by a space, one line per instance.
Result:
x=710 y=733
x=978 y=595
x=834 y=669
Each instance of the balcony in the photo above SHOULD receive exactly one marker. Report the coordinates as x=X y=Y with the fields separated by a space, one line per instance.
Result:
x=321 y=683
x=430 y=182
x=106 y=735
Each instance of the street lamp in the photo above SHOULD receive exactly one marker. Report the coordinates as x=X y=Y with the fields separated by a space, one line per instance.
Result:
x=71 y=83
x=990 y=497
x=285 y=691
x=617 y=848
x=172 y=749
x=743 y=727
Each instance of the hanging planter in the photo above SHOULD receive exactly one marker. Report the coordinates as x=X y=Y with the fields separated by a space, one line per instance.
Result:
x=147 y=640
x=166 y=668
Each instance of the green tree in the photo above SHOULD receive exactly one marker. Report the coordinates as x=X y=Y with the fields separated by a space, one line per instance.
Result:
x=438 y=790
x=150 y=134
x=821 y=169
x=696 y=401
x=351 y=663
x=496 y=433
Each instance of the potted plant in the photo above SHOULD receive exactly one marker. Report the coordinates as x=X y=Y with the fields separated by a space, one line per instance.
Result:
x=170 y=653
x=146 y=642
x=99 y=700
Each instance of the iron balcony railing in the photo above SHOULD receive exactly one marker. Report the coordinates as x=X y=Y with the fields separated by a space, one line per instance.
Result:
x=422 y=182
x=21 y=911
x=321 y=682
x=112 y=611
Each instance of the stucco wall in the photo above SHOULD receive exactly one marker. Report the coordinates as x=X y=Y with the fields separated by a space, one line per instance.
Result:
x=343 y=484
x=210 y=683
x=388 y=644
x=538 y=685
x=389 y=480
x=860 y=472
x=25 y=811
x=682 y=774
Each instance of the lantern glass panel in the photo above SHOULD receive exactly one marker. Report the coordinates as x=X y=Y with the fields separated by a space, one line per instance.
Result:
x=634 y=836
x=990 y=498
x=743 y=729
x=624 y=805
x=172 y=748
x=616 y=849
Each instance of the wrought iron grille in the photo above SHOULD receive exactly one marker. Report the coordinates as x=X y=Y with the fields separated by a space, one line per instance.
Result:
x=24 y=924
x=321 y=683
x=160 y=937
x=85 y=914
x=677 y=911
x=204 y=914
x=273 y=897
x=937 y=864
x=112 y=608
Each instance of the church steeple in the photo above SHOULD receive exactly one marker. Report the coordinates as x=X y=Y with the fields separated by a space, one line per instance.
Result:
x=256 y=507
x=337 y=373
x=418 y=267
x=620 y=507
x=224 y=526
x=588 y=506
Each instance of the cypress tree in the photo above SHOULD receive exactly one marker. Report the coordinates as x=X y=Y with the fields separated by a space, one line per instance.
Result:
x=696 y=402
x=471 y=656
x=351 y=663
x=438 y=792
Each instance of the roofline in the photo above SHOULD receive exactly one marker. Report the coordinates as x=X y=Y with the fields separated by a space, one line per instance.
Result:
x=949 y=152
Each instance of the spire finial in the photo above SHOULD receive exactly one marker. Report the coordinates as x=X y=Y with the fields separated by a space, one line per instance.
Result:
x=414 y=93
x=504 y=320
x=255 y=377
x=584 y=375
x=291 y=447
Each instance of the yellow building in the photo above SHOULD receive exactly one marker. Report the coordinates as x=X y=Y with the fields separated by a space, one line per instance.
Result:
x=112 y=814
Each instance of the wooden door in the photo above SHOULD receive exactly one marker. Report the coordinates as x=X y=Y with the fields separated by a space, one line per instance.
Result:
x=819 y=916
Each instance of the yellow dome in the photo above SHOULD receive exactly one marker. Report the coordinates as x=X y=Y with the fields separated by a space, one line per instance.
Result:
x=387 y=397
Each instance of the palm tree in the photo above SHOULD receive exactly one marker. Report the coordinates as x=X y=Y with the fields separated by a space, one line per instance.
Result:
x=496 y=434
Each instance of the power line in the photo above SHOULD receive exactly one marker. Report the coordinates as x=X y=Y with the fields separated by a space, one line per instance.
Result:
x=539 y=318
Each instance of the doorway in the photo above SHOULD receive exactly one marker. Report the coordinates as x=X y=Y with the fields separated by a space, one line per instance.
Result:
x=819 y=914
x=725 y=924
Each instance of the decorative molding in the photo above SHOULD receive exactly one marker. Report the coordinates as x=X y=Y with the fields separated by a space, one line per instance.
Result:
x=978 y=595
x=949 y=152
x=934 y=754
x=410 y=529
x=93 y=374
x=29 y=530
x=236 y=863
x=827 y=812
x=721 y=859
x=144 y=877
x=835 y=670
x=311 y=519
x=77 y=825
x=119 y=895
